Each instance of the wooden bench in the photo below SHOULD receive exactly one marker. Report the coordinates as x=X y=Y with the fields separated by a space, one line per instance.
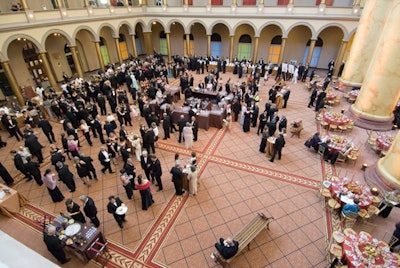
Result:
x=246 y=235
x=296 y=130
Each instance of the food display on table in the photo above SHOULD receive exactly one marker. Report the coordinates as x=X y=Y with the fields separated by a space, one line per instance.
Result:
x=345 y=190
x=384 y=142
x=336 y=118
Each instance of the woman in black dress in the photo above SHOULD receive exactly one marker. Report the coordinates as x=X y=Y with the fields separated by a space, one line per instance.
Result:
x=126 y=183
x=5 y=175
x=74 y=211
x=82 y=170
x=51 y=184
x=247 y=120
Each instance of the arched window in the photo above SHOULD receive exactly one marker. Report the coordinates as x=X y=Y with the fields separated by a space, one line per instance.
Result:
x=163 y=43
x=315 y=54
x=123 y=47
x=275 y=49
x=216 y=45
x=139 y=48
x=244 y=47
x=104 y=51
x=191 y=45
x=33 y=62
x=70 y=59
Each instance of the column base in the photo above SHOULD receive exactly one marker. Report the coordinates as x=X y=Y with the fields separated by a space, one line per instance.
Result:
x=346 y=86
x=368 y=123
x=375 y=179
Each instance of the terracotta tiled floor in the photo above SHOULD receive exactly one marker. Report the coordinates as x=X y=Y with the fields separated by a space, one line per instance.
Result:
x=236 y=182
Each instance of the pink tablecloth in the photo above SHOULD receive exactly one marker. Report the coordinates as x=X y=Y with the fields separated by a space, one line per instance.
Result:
x=354 y=94
x=341 y=185
x=355 y=250
x=383 y=142
x=336 y=118
x=330 y=96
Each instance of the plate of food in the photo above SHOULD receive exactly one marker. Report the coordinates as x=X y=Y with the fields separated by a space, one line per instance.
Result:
x=69 y=241
x=121 y=210
x=73 y=229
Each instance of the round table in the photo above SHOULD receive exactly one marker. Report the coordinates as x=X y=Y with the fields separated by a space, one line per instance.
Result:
x=270 y=146
x=341 y=192
x=383 y=142
x=338 y=143
x=354 y=94
x=330 y=96
x=361 y=250
x=335 y=118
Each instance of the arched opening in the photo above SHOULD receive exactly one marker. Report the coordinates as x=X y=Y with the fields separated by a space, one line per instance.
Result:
x=70 y=59
x=123 y=47
x=244 y=47
x=163 y=43
x=33 y=63
x=315 y=54
x=104 y=51
x=216 y=45
x=275 y=49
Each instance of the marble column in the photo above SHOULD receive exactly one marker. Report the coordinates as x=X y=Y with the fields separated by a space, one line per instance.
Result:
x=380 y=91
x=133 y=40
x=187 y=52
x=86 y=3
x=148 y=45
x=340 y=56
x=59 y=4
x=49 y=71
x=231 y=48
x=369 y=30
x=77 y=62
x=144 y=2
x=283 y=45
x=25 y=6
x=386 y=174
x=255 y=52
x=116 y=42
x=208 y=45
x=261 y=2
x=310 y=50
x=169 y=47
x=13 y=82
x=99 y=56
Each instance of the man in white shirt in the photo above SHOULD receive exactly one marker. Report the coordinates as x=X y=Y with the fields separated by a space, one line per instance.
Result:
x=105 y=160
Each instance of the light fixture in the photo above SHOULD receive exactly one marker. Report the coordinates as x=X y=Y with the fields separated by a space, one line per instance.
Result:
x=63 y=12
x=112 y=9
x=185 y=8
x=208 y=8
x=129 y=9
x=290 y=8
x=31 y=16
x=260 y=8
x=164 y=7
x=356 y=10
x=321 y=8
x=90 y=10
x=233 y=8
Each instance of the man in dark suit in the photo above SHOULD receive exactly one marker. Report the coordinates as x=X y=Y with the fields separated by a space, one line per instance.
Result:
x=19 y=164
x=263 y=121
x=166 y=125
x=47 y=129
x=145 y=163
x=90 y=209
x=31 y=141
x=66 y=176
x=54 y=245
x=156 y=172
x=122 y=132
x=226 y=247
x=101 y=101
x=113 y=204
x=97 y=125
x=33 y=168
x=279 y=144
x=195 y=127
x=105 y=160
x=13 y=128
x=177 y=179
x=148 y=140
x=181 y=125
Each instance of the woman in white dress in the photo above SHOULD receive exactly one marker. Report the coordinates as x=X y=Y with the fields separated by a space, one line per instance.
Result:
x=137 y=145
x=188 y=136
x=192 y=177
x=244 y=109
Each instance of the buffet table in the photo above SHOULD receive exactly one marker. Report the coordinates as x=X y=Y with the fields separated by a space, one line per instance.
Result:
x=345 y=190
x=78 y=237
x=361 y=250
x=10 y=201
x=335 y=118
x=339 y=143
x=270 y=146
x=204 y=94
x=175 y=93
x=383 y=142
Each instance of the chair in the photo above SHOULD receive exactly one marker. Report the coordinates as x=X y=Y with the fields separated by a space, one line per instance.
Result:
x=341 y=157
x=353 y=156
x=392 y=241
x=296 y=130
x=324 y=124
x=342 y=128
x=333 y=205
x=101 y=252
x=349 y=219
x=333 y=127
